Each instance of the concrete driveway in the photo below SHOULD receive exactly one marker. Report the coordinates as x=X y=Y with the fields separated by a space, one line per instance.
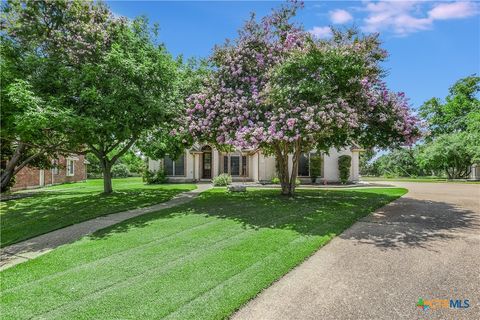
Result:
x=424 y=245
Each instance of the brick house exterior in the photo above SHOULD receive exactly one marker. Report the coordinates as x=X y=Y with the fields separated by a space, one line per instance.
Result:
x=70 y=169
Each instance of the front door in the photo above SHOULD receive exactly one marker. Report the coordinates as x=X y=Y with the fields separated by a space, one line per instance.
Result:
x=207 y=165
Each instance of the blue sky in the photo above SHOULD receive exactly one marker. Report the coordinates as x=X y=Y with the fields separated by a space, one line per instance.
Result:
x=431 y=43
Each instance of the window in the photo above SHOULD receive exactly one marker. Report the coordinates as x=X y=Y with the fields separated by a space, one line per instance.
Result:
x=70 y=167
x=244 y=165
x=235 y=165
x=304 y=165
x=174 y=167
x=225 y=164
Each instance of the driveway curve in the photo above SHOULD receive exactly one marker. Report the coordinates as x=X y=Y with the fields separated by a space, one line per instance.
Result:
x=424 y=245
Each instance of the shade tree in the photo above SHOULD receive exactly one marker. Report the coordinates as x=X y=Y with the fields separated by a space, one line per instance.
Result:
x=110 y=74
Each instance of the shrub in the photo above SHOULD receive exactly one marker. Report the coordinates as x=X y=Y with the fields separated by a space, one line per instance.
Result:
x=154 y=177
x=315 y=167
x=276 y=180
x=222 y=180
x=94 y=175
x=120 y=171
x=344 y=163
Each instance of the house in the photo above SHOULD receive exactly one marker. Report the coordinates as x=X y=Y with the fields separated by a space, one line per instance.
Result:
x=67 y=169
x=204 y=162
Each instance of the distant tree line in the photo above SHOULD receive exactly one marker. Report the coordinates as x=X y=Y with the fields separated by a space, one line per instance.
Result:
x=451 y=138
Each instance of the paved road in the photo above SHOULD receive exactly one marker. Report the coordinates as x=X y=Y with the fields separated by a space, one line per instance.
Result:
x=34 y=247
x=424 y=245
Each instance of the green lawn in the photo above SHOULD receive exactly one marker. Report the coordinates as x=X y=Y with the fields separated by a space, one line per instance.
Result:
x=59 y=206
x=201 y=260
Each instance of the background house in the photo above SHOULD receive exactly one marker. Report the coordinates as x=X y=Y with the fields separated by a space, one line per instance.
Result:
x=203 y=162
x=68 y=169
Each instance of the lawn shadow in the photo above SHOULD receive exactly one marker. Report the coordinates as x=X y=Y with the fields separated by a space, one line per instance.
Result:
x=48 y=211
x=310 y=212
x=324 y=212
x=409 y=222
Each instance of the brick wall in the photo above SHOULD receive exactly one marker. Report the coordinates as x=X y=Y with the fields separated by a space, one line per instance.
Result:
x=32 y=177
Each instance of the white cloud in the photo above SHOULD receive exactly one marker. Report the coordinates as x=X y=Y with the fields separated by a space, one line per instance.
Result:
x=404 y=17
x=397 y=16
x=340 y=16
x=454 y=10
x=321 y=32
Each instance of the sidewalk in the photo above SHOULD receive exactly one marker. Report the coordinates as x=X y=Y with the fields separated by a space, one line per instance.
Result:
x=34 y=247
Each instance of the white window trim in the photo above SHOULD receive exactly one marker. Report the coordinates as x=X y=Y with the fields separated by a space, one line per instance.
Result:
x=72 y=173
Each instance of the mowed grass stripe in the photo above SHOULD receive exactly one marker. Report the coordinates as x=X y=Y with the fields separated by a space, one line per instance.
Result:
x=127 y=248
x=161 y=275
x=135 y=269
x=96 y=253
x=289 y=248
x=205 y=269
x=259 y=237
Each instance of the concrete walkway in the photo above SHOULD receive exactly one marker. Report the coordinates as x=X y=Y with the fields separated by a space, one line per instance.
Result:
x=32 y=248
x=424 y=245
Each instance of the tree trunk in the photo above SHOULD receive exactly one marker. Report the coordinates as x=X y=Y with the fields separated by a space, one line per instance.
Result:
x=107 y=179
x=287 y=179
x=5 y=180
x=9 y=172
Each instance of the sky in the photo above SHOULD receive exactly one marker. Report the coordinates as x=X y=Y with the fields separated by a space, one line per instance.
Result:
x=431 y=44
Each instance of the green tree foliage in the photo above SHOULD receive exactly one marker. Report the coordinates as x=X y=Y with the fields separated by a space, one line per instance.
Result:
x=453 y=142
x=278 y=89
x=170 y=138
x=111 y=120
x=452 y=153
x=108 y=74
x=31 y=130
x=367 y=167
x=459 y=112
x=33 y=122
x=402 y=162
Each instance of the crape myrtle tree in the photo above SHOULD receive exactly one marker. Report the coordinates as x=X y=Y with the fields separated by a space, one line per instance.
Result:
x=277 y=89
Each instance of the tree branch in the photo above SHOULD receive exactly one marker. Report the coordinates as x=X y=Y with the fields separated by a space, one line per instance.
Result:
x=27 y=161
x=125 y=149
